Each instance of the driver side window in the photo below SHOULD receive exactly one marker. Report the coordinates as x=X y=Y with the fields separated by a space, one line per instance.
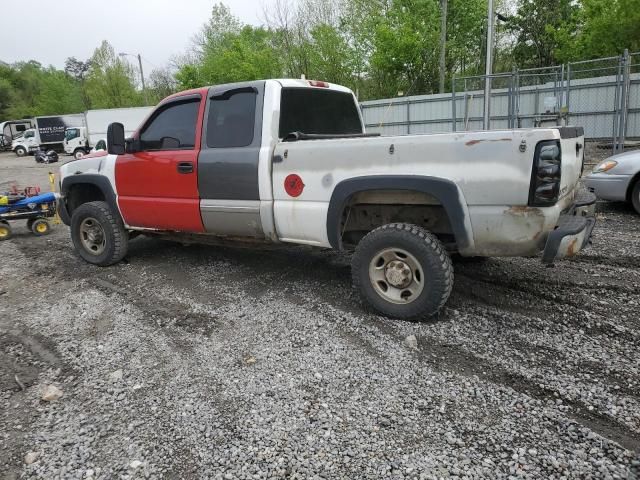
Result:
x=172 y=127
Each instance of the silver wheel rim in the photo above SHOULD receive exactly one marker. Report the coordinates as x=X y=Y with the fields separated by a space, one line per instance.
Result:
x=92 y=236
x=396 y=276
x=79 y=155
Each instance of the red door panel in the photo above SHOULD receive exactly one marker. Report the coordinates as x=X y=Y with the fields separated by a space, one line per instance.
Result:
x=159 y=188
x=152 y=193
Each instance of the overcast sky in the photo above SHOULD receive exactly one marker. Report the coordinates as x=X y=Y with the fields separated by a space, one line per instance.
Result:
x=50 y=31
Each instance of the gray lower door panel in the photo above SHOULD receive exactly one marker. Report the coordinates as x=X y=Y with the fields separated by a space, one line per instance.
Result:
x=228 y=162
x=236 y=218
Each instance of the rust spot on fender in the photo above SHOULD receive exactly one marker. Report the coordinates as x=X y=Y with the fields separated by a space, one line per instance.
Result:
x=573 y=248
x=519 y=211
x=471 y=143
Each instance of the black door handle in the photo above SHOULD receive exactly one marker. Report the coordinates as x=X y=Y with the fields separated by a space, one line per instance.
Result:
x=185 y=167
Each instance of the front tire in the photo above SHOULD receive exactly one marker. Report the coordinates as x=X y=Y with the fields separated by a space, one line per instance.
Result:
x=21 y=151
x=5 y=231
x=635 y=196
x=79 y=153
x=98 y=234
x=402 y=271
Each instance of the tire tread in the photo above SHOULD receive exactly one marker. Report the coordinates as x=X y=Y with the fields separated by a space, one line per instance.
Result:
x=117 y=230
x=441 y=286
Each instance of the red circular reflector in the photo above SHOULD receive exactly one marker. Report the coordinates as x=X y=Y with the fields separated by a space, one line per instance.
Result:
x=293 y=185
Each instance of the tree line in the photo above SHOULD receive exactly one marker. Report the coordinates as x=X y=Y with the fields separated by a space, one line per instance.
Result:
x=379 y=48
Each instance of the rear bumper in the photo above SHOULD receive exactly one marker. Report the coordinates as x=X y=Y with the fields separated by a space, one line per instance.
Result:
x=573 y=231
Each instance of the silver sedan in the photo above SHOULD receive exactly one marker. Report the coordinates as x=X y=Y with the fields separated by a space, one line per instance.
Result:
x=617 y=178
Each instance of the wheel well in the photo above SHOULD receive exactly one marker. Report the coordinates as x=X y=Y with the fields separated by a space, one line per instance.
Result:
x=82 y=193
x=632 y=183
x=367 y=210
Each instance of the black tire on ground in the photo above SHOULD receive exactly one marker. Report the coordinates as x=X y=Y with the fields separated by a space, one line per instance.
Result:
x=79 y=153
x=5 y=231
x=21 y=151
x=40 y=227
x=98 y=216
x=635 y=196
x=30 y=223
x=427 y=265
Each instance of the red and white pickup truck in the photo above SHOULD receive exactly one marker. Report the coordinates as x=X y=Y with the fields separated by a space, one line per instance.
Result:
x=288 y=161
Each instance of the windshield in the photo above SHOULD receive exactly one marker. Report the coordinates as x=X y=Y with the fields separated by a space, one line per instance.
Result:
x=318 y=111
x=71 y=133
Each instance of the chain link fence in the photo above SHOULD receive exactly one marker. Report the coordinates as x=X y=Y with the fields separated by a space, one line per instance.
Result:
x=601 y=95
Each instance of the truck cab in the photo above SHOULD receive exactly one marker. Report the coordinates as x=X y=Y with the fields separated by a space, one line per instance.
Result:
x=289 y=162
x=76 y=142
x=26 y=143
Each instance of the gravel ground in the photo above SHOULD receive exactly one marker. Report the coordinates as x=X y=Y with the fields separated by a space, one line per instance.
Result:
x=209 y=362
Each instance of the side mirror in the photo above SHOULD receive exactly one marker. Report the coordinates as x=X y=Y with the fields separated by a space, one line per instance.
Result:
x=115 y=139
x=132 y=145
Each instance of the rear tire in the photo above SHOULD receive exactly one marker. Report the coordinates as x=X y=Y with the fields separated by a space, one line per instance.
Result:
x=635 y=196
x=41 y=227
x=402 y=271
x=21 y=151
x=5 y=231
x=98 y=234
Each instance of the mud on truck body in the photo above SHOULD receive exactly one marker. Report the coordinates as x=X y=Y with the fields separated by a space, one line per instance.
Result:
x=288 y=161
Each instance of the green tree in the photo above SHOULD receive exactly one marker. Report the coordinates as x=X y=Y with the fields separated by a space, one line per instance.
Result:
x=59 y=94
x=406 y=48
x=110 y=81
x=225 y=51
x=538 y=27
x=604 y=28
x=27 y=90
x=161 y=84
x=245 y=55
x=466 y=23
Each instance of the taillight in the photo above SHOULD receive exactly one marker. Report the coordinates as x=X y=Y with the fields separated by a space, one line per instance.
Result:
x=317 y=83
x=545 y=178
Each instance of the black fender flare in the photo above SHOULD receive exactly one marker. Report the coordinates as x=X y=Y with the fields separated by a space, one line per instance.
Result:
x=444 y=190
x=99 y=181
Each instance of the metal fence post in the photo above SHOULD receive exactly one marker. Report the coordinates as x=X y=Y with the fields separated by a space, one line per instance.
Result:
x=624 y=100
x=453 y=104
x=514 y=97
x=566 y=96
x=408 y=116
x=617 y=102
x=517 y=105
x=561 y=99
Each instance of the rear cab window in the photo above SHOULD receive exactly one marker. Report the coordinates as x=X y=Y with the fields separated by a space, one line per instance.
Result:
x=231 y=119
x=318 y=111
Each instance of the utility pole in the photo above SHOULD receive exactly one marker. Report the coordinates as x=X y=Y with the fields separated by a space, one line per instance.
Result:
x=144 y=90
x=443 y=42
x=139 y=57
x=488 y=66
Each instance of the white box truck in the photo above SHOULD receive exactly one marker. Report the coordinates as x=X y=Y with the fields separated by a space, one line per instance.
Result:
x=12 y=129
x=79 y=141
x=48 y=133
